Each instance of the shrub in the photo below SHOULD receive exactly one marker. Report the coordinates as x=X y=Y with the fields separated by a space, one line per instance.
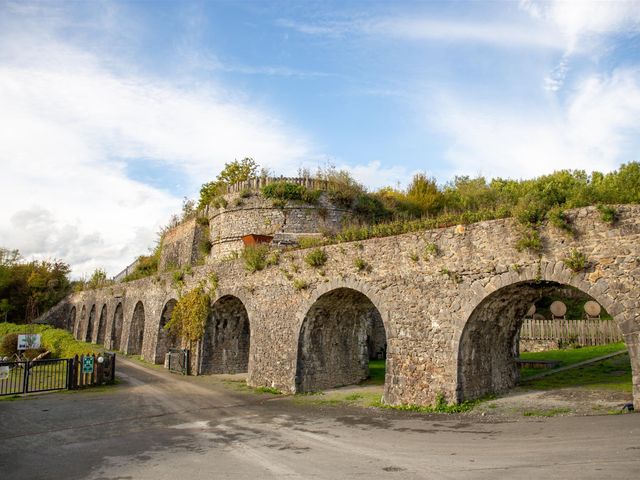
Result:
x=246 y=193
x=202 y=221
x=316 y=258
x=576 y=260
x=190 y=315
x=430 y=249
x=529 y=240
x=300 y=284
x=204 y=246
x=284 y=191
x=59 y=342
x=607 y=214
x=308 y=242
x=254 y=257
x=9 y=345
x=361 y=265
x=558 y=219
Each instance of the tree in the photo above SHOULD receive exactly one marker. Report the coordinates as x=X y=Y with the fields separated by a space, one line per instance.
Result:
x=233 y=172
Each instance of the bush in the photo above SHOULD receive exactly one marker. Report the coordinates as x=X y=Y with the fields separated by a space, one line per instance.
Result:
x=255 y=257
x=59 y=342
x=283 y=191
x=316 y=258
x=607 y=214
x=361 y=265
x=9 y=345
x=576 y=261
x=558 y=219
x=300 y=284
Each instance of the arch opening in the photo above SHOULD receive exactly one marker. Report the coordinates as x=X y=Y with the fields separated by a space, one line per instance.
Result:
x=81 y=324
x=227 y=338
x=165 y=341
x=116 y=328
x=340 y=334
x=489 y=347
x=102 y=325
x=90 y=323
x=136 y=330
x=71 y=320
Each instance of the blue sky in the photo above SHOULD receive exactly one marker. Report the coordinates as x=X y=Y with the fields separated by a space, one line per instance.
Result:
x=111 y=112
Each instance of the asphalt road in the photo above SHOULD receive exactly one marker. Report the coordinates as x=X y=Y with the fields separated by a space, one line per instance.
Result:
x=160 y=426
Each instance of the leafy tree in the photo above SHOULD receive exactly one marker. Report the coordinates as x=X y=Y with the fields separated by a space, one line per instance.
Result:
x=233 y=172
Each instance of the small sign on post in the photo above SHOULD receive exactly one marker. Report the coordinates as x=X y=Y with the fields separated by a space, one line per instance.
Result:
x=28 y=341
x=4 y=372
x=87 y=364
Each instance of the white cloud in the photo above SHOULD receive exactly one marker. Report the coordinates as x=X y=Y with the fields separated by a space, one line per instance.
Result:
x=596 y=129
x=68 y=126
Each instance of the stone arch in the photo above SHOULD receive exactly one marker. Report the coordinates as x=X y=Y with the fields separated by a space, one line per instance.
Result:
x=136 y=330
x=90 y=324
x=71 y=320
x=227 y=338
x=102 y=325
x=486 y=345
x=116 y=327
x=165 y=341
x=334 y=338
x=81 y=324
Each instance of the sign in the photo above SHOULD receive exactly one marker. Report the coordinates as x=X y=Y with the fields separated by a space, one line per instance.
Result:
x=87 y=365
x=4 y=373
x=27 y=341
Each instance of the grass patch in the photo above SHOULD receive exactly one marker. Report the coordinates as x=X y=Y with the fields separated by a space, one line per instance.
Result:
x=271 y=390
x=550 y=412
x=610 y=374
x=377 y=370
x=569 y=356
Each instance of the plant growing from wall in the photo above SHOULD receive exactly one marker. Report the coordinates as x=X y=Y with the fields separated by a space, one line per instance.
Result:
x=316 y=258
x=454 y=276
x=361 y=265
x=255 y=257
x=204 y=246
x=430 y=250
x=529 y=240
x=576 y=261
x=607 y=214
x=190 y=315
x=558 y=219
x=300 y=284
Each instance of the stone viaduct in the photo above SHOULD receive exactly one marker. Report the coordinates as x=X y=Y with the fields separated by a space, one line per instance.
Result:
x=450 y=313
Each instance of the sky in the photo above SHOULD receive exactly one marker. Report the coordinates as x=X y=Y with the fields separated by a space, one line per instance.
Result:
x=111 y=112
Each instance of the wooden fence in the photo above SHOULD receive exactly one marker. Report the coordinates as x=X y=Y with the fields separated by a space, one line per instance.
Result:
x=588 y=332
x=101 y=373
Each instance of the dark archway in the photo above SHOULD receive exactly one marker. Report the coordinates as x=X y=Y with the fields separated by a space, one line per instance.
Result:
x=71 y=320
x=165 y=340
x=225 y=346
x=102 y=325
x=136 y=330
x=92 y=319
x=82 y=323
x=488 y=346
x=340 y=333
x=116 y=328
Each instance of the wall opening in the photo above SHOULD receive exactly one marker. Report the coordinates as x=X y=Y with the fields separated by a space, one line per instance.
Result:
x=165 y=340
x=116 y=328
x=225 y=345
x=90 y=324
x=489 y=345
x=340 y=334
x=71 y=320
x=102 y=325
x=136 y=331
x=82 y=323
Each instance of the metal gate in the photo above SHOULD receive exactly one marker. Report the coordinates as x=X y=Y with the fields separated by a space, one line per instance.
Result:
x=178 y=361
x=34 y=376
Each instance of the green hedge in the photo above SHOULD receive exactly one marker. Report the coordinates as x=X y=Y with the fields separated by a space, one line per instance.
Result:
x=59 y=342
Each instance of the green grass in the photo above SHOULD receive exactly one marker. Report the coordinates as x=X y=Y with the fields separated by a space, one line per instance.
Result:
x=59 y=342
x=611 y=374
x=376 y=372
x=569 y=356
x=551 y=412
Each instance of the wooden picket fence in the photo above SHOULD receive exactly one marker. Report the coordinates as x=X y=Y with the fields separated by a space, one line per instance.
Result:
x=587 y=332
x=103 y=373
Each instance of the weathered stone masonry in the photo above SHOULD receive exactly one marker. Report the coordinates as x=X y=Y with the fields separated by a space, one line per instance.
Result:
x=449 y=318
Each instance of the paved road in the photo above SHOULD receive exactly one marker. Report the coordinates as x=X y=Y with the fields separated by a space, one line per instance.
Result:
x=160 y=426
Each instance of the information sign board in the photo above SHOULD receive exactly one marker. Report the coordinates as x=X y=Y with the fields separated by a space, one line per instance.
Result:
x=29 y=340
x=87 y=365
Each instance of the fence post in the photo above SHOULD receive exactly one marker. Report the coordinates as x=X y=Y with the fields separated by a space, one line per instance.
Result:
x=113 y=368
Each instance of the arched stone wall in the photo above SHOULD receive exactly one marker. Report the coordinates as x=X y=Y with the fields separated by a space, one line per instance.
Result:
x=486 y=346
x=88 y=335
x=334 y=340
x=102 y=325
x=227 y=339
x=136 y=330
x=116 y=327
x=165 y=340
